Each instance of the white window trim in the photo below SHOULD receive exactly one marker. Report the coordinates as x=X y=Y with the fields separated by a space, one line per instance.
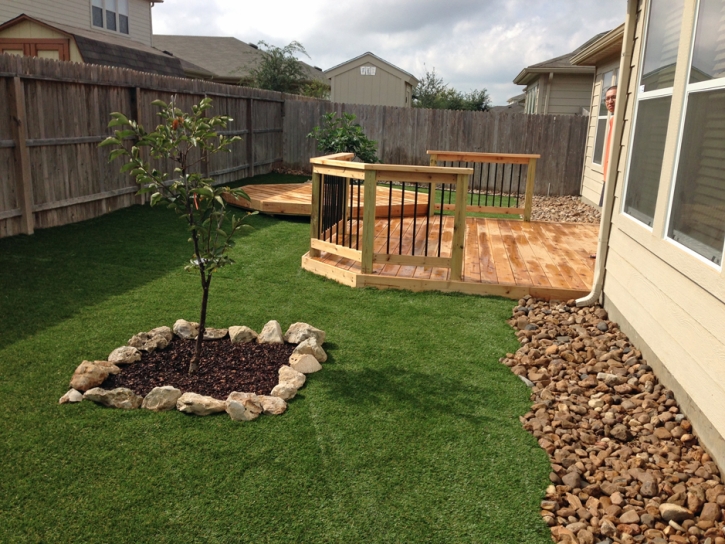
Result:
x=118 y=19
x=599 y=166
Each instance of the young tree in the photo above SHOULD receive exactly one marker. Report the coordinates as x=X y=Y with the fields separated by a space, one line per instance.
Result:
x=343 y=135
x=186 y=139
x=433 y=93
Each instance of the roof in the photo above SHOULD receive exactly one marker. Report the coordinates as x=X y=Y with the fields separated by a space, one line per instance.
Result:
x=516 y=99
x=110 y=50
x=561 y=64
x=225 y=58
x=604 y=48
x=335 y=70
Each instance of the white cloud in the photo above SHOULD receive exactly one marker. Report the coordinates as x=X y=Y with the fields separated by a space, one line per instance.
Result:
x=472 y=44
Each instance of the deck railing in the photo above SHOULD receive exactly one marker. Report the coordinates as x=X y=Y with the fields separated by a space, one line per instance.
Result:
x=344 y=209
x=503 y=177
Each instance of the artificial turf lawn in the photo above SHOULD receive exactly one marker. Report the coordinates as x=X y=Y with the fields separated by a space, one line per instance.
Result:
x=409 y=434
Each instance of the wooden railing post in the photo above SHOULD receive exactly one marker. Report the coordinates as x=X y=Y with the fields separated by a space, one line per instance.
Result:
x=459 y=228
x=315 y=212
x=23 y=176
x=432 y=190
x=368 y=237
x=530 y=179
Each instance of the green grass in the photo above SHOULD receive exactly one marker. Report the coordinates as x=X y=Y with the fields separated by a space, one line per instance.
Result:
x=409 y=434
x=473 y=200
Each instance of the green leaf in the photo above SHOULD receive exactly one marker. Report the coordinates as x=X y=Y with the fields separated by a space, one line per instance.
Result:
x=156 y=198
x=109 y=141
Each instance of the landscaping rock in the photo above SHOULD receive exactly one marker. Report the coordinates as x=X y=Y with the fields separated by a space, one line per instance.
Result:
x=186 y=329
x=250 y=401
x=120 y=397
x=563 y=209
x=164 y=332
x=90 y=374
x=299 y=332
x=290 y=376
x=124 y=355
x=148 y=341
x=304 y=363
x=241 y=335
x=238 y=412
x=161 y=399
x=311 y=347
x=271 y=334
x=191 y=403
x=284 y=391
x=673 y=512
x=71 y=396
x=214 y=334
x=272 y=405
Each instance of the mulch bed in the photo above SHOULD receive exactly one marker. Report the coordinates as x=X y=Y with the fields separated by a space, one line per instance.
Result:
x=224 y=367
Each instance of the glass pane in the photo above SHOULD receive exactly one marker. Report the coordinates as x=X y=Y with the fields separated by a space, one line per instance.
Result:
x=97 y=16
x=110 y=20
x=123 y=7
x=599 y=140
x=708 y=59
x=698 y=206
x=97 y=3
x=123 y=24
x=663 y=39
x=606 y=83
x=648 y=148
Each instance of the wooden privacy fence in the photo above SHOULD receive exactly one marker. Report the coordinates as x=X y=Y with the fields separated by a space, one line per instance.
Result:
x=405 y=134
x=488 y=169
x=54 y=114
x=341 y=226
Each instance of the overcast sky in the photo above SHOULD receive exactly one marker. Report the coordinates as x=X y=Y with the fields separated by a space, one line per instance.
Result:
x=472 y=44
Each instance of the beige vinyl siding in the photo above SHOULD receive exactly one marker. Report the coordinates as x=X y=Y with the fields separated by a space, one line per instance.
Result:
x=569 y=94
x=78 y=13
x=593 y=177
x=30 y=30
x=382 y=89
x=670 y=304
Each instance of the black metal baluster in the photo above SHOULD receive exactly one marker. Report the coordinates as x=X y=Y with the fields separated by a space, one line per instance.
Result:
x=488 y=181
x=518 y=187
x=357 y=231
x=400 y=247
x=390 y=211
x=440 y=225
x=343 y=209
x=495 y=183
x=511 y=185
x=415 y=216
x=480 y=181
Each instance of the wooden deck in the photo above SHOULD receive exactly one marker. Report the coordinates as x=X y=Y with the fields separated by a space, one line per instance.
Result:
x=508 y=258
x=296 y=199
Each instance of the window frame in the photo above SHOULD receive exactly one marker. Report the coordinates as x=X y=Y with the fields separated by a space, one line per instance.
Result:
x=613 y=80
x=117 y=16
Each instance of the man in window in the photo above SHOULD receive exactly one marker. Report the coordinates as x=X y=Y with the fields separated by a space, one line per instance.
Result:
x=609 y=100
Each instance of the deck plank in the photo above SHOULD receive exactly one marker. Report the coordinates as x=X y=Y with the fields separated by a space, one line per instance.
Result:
x=553 y=274
x=518 y=266
x=524 y=245
x=504 y=271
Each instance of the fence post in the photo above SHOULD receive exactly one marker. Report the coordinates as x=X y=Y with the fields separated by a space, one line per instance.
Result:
x=23 y=176
x=432 y=190
x=315 y=211
x=250 y=135
x=459 y=228
x=368 y=237
x=530 y=179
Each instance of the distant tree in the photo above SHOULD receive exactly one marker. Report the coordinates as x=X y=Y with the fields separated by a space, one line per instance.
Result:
x=280 y=70
x=433 y=93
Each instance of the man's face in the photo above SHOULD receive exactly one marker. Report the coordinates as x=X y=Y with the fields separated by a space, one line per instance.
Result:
x=610 y=99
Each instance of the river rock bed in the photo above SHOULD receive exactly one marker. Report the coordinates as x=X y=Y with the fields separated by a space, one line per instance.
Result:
x=563 y=209
x=625 y=464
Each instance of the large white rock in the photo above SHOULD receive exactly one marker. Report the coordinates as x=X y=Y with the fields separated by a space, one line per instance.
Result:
x=120 y=397
x=272 y=405
x=311 y=347
x=214 y=334
x=238 y=412
x=71 y=396
x=161 y=399
x=148 y=342
x=298 y=332
x=250 y=402
x=186 y=329
x=241 y=335
x=166 y=332
x=90 y=374
x=124 y=355
x=271 y=334
x=285 y=391
x=305 y=363
x=192 y=403
x=291 y=376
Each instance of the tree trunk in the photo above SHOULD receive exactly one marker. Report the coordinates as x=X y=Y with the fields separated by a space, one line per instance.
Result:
x=196 y=358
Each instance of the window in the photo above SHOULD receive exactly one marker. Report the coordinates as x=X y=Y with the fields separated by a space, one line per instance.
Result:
x=652 y=109
x=607 y=80
x=697 y=214
x=110 y=14
x=532 y=98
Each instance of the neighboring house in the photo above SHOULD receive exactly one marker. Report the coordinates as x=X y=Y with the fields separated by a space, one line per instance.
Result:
x=225 y=59
x=604 y=55
x=556 y=86
x=368 y=79
x=660 y=256
x=105 y=32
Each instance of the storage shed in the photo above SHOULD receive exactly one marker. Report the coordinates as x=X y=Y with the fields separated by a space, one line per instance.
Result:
x=368 y=79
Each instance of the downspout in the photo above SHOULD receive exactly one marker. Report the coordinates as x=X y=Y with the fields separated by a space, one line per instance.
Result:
x=605 y=226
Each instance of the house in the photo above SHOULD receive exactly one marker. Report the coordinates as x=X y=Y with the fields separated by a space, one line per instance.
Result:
x=105 y=32
x=604 y=55
x=659 y=268
x=226 y=59
x=556 y=86
x=368 y=79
